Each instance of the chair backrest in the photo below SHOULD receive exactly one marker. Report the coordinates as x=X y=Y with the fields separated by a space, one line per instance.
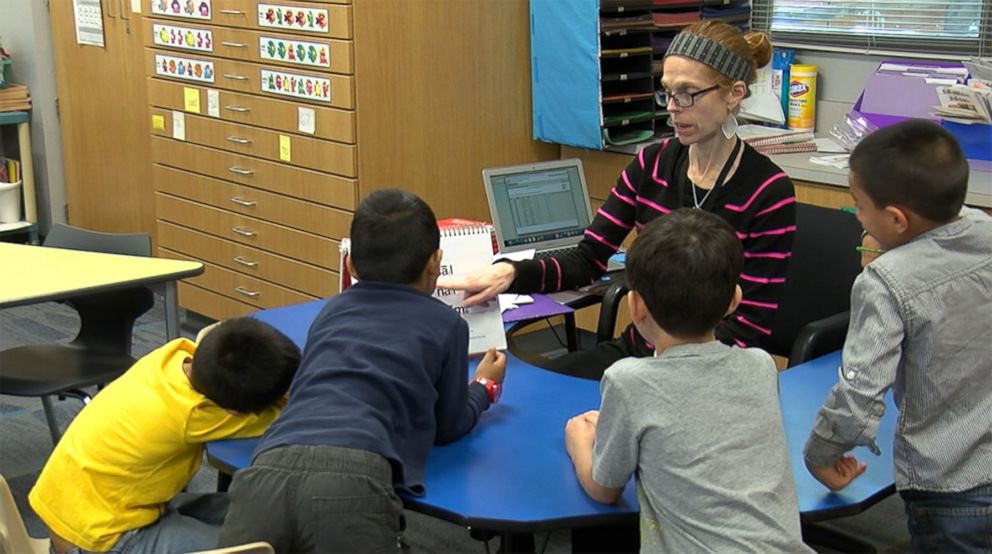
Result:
x=822 y=269
x=74 y=238
x=13 y=534
x=107 y=317
x=250 y=548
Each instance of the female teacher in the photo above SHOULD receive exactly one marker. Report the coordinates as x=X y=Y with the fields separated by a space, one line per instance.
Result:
x=706 y=73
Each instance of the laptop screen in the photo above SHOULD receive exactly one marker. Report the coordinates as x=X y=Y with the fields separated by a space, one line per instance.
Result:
x=542 y=206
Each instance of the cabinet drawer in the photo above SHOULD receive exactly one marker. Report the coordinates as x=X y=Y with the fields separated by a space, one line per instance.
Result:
x=281 y=115
x=306 y=216
x=250 y=231
x=289 y=273
x=210 y=304
x=311 y=153
x=327 y=89
x=260 y=294
x=294 y=181
x=310 y=53
x=331 y=19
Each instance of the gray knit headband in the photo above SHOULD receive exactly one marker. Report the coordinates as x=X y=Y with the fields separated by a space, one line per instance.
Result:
x=705 y=51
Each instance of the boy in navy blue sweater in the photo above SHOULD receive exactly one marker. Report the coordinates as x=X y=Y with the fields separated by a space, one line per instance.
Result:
x=381 y=380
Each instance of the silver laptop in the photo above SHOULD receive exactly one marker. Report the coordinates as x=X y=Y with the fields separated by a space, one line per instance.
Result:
x=544 y=206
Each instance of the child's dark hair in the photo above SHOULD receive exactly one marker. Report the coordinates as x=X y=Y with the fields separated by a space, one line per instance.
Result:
x=393 y=235
x=685 y=265
x=244 y=364
x=917 y=164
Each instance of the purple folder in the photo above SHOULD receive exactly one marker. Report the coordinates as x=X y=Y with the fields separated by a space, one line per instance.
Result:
x=541 y=307
x=889 y=98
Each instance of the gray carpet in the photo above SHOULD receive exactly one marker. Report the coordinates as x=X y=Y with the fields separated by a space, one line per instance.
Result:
x=25 y=442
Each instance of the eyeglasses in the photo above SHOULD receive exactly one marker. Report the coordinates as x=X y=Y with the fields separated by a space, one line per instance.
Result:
x=681 y=99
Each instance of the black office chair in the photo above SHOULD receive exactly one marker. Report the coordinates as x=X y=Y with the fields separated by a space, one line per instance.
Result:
x=101 y=351
x=814 y=309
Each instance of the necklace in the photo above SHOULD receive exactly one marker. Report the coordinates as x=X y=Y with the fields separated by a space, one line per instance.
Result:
x=698 y=202
x=720 y=179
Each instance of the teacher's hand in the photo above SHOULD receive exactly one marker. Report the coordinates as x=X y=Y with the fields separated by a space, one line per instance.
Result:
x=482 y=285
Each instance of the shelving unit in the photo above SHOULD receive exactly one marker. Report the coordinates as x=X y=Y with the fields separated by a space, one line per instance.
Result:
x=29 y=224
x=596 y=66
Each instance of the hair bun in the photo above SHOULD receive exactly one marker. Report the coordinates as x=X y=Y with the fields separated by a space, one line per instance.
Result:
x=761 y=47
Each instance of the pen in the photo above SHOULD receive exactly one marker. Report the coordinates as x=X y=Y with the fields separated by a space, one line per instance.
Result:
x=869 y=250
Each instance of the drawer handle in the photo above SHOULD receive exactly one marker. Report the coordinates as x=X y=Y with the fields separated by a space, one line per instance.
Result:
x=240 y=109
x=231 y=12
x=235 y=77
x=241 y=171
x=243 y=232
x=242 y=202
x=239 y=140
x=233 y=44
x=244 y=262
x=246 y=292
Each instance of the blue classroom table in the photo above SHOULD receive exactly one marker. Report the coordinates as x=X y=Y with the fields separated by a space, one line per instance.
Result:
x=511 y=474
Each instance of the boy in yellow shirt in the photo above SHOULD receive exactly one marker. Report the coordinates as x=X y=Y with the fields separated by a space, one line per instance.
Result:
x=112 y=483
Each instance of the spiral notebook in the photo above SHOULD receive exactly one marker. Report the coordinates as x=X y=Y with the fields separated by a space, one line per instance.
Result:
x=465 y=249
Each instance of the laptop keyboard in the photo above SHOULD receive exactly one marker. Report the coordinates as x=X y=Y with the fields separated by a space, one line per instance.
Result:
x=552 y=253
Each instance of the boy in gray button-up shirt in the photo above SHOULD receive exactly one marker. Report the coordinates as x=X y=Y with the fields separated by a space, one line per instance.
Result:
x=921 y=324
x=699 y=423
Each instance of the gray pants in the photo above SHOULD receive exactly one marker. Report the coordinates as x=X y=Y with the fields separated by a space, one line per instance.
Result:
x=190 y=522
x=315 y=499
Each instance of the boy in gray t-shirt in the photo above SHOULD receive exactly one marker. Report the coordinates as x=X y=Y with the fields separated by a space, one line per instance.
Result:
x=699 y=423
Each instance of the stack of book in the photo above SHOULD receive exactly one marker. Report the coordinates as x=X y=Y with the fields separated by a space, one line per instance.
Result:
x=10 y=170
x=622 y=25
x=677 y=3
x=14 y=98
x=623 y=5
x=681 y=18
x=772 y=140
x=734 y=12
x=971 y=103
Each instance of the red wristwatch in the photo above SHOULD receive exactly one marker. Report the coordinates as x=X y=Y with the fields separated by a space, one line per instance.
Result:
x=493 y=389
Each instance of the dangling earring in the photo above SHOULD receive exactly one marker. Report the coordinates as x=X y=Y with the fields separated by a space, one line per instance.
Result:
x=729 y=126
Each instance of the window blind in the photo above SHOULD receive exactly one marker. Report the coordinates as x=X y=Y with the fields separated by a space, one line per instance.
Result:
x=950 y=27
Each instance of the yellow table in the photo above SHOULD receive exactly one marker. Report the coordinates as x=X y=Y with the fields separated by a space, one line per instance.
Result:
x=30 y=274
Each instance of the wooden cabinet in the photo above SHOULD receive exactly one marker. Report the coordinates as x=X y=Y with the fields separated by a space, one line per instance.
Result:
x=267 y=122
x=330 y=157
x=329 y=123
x=101 y=109
x=244 y=180
x=256 y=46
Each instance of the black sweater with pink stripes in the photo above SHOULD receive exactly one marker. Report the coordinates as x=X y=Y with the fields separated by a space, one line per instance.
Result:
x=758 y=201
